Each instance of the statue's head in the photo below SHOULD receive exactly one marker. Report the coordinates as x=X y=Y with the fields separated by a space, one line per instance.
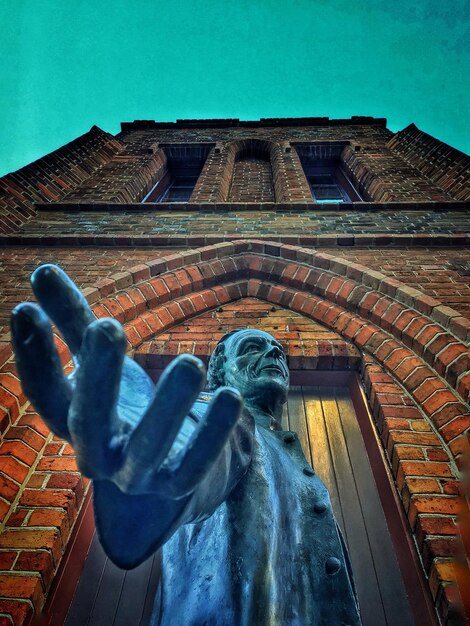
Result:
x=253 y=362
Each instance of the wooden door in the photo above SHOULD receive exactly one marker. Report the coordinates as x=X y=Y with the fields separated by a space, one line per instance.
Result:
x=109 y=596
x=325 y=420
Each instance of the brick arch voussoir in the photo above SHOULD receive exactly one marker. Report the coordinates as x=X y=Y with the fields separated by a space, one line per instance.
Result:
x=404 y=368
x=278 y=282
x=261 y=148
x=419 y=322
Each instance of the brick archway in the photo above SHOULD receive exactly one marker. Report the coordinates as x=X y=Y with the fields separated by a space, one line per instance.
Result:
x=415 y=368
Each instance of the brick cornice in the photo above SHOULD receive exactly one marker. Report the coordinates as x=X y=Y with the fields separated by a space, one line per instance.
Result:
x=343 y=240
x=430 y=205
x=355 y=120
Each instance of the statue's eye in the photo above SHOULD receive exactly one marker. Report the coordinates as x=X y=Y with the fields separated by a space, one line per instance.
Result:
x=250 y=347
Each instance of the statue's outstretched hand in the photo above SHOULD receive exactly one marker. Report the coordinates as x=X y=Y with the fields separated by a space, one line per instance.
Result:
x=121 y=426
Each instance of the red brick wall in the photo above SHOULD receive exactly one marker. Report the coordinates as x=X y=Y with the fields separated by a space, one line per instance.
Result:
x=100 y=168
x=85 y=269
x=127 y=177
x=414 y=366
x=382 y=176
x=53 y=176
x=215 y=182
x=447 y=167
x=179 y=225
x=443 y=273
x=252 y=180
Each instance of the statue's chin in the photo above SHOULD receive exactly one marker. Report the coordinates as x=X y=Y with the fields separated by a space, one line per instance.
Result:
x=267 y=389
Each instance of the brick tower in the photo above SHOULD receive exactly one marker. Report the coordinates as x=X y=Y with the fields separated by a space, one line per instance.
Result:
x=346 y=241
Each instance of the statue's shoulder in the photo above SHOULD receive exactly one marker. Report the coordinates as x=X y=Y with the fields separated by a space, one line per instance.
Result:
x=200 y=406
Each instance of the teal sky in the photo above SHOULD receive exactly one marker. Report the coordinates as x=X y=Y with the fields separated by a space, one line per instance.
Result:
x=69 y=64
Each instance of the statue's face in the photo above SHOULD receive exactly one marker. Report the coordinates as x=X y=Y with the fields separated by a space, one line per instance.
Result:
x=256 y=365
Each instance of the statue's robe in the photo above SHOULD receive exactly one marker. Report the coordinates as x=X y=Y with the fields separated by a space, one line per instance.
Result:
x=255 y=545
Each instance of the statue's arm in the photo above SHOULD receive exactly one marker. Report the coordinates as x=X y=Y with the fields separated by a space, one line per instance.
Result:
x=124 y=430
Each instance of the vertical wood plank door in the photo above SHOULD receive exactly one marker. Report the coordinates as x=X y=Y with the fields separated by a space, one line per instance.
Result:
x=109 y=596
x=326 y=423
x=325 y=420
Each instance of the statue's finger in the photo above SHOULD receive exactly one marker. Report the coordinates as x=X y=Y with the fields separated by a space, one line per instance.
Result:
x=93 y=423
x=150 y=442
x=207 y=443
x=39 y=366
x=63 y=302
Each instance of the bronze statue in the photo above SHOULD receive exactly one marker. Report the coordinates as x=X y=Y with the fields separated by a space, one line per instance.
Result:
x=246 y=528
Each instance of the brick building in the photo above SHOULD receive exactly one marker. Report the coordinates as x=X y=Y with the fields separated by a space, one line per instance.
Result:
x=346 y=241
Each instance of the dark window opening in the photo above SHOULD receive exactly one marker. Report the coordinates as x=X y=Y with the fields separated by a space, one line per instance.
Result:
x=325 y=173
x=184 y=165
x=325 y=188
x=179 y=189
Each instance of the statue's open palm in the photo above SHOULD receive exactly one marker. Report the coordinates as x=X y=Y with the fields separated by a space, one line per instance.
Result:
x=121 y=426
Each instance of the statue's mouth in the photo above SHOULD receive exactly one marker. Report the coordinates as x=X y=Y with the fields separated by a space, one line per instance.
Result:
x=273 y=368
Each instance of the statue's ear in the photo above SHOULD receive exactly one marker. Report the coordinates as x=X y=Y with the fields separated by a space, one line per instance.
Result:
x=215 y=373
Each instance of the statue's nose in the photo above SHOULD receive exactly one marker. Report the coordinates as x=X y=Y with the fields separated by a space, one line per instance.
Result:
x=274 y=351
